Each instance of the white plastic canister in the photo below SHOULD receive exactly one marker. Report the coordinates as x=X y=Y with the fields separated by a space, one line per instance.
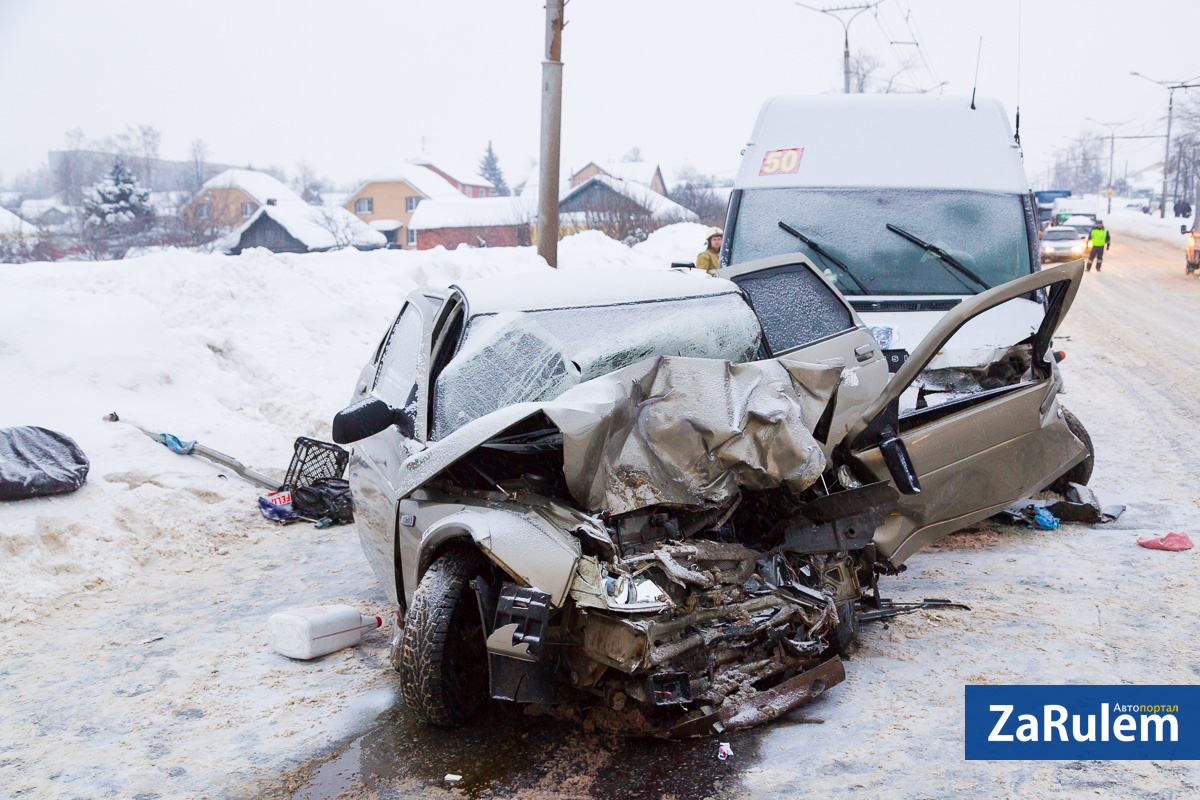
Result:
x=306 y=633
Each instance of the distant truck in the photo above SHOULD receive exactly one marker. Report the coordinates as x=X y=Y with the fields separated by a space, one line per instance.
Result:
x=1065 y=207
x=909 y=203
x=1045 y=203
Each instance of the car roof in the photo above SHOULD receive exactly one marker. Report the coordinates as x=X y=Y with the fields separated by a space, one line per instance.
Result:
x=538 y=291
x=1061 y=228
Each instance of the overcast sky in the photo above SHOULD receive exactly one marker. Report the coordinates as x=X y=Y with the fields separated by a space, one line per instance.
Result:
x=353 y=86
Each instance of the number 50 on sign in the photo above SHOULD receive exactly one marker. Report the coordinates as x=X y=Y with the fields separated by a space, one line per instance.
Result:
x=781 y=162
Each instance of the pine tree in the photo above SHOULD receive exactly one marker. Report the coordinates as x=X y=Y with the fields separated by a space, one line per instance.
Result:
x=489 y=167
x=117 y=213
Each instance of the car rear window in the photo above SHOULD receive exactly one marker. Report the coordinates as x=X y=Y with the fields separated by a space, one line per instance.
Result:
x=795 y=306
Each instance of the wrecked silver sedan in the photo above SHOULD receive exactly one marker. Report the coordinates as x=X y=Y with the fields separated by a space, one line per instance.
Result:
x=662 y=495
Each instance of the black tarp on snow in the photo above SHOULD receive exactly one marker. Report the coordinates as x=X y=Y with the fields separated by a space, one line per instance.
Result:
x=35 y=462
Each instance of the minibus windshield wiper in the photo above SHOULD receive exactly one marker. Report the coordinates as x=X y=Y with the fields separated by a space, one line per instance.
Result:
x=946 y=258
x=823 y=253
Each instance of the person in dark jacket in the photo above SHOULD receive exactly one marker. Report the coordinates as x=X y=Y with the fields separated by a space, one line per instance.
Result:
x=707 y=260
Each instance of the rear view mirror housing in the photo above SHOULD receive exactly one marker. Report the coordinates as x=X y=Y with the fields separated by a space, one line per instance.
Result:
x=1183 y=229
x=368 y=417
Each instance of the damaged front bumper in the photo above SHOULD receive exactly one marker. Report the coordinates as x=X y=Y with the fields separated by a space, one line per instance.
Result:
x=685 y=639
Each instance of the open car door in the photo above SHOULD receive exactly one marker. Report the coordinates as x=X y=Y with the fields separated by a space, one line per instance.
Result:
x=985 y=442
x=805 y=318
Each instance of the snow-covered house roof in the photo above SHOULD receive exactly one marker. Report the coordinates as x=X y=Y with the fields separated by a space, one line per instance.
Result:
x=36 y=209
x=315 y=227
x=660 y=208
x=426 y=181
x=12 y=225
x=467 y=213
x=461 y=173
x=642 y=172
x=260 y=186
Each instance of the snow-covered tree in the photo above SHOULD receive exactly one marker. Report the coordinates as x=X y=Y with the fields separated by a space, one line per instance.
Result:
x=489 y=167
x=116 y=214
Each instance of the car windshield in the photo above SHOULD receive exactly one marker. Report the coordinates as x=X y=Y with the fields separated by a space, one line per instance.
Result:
x=1054 y=235
x=985 y=232
x=528 y=356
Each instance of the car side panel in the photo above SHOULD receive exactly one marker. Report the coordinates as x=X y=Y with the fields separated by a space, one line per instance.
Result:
x=957 y=462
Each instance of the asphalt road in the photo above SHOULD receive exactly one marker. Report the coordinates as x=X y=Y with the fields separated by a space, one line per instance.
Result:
x=1079 y=605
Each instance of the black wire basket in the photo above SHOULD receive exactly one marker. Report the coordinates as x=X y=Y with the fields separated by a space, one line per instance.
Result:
x=312 y=460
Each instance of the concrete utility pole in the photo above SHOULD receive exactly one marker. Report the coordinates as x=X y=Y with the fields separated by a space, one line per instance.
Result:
x=552 y=71
x=1170 y=86
x=833 y=11
x=1112 y=135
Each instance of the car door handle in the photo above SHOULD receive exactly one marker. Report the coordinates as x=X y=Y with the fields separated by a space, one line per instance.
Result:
x=864 y=352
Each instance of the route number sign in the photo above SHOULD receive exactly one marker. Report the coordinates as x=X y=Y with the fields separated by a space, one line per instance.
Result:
x=781 y=162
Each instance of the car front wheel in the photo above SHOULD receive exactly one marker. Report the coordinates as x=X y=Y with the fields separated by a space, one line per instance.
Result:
x=443 y=655
x=1081 y=473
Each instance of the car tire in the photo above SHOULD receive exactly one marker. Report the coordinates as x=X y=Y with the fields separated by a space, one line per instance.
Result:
x=1081 y=473
x=443 y=654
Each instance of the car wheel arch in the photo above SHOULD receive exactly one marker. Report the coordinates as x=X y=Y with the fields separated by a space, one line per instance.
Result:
x=517 y=542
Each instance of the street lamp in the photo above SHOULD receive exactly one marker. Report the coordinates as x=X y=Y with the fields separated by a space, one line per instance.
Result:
x=833 y=12
x=1112 y=135
x=1170 y=86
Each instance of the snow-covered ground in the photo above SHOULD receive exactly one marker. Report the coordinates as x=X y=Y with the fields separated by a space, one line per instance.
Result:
x=241 y=353
x=1134 y=221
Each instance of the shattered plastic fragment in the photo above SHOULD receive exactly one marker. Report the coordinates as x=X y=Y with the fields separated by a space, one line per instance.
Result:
x=1044 y=520
x=1175 y=542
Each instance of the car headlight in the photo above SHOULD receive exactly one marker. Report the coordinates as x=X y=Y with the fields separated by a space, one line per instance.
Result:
x=1047 y=249
x=1077 y=249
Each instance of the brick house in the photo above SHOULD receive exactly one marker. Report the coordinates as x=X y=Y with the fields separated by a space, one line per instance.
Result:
x=386 y=201
x=231 y=197
x=486 y=222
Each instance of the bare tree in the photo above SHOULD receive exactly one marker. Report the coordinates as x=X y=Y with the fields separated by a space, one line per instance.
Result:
x=634 y=155
x=70 y=170
x=340 y=226
x=308 y=184
x=620 y=218
x=866 y=74
x=1081 y=166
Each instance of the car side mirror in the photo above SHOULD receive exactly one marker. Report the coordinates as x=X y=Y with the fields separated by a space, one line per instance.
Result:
x=899 y=464
x=1183 y=229
x=368 y=417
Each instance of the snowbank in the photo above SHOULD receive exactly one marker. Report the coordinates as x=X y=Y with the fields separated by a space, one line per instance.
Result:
x=1133 y=222
x=243 y=353
x=680 y=243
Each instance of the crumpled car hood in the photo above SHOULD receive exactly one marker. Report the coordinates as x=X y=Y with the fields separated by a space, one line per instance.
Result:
x=669 y=430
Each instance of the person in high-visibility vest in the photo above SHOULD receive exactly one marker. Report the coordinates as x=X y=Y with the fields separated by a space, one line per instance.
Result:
x=1099 y=239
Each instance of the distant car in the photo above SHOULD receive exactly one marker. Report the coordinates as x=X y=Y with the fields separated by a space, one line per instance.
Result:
x=1062 y=243
x=1079 y=222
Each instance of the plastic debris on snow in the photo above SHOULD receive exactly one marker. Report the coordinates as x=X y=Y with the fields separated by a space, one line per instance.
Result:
x=1079 y=504
x=276 y=513
x=1175 y=542
x=1044 y=520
